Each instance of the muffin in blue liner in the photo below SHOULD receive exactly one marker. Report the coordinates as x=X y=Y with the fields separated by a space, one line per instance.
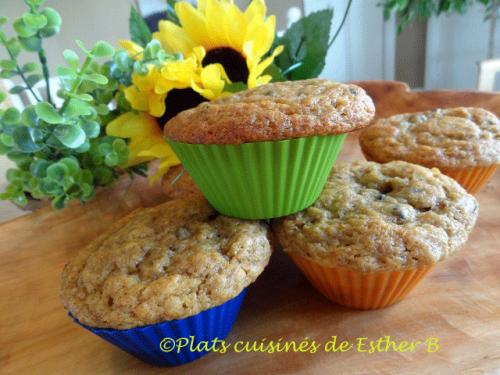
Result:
x=165 y=276
x=155 y=344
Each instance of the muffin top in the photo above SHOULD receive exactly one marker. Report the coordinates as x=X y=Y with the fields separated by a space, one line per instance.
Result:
x=453 y=137
x=273 y=112
x=381 y=217
x=162 y=263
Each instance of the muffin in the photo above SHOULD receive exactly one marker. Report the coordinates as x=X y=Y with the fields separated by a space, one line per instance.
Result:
x=172 y=271
x=267 y=152
x=376 y=230
x=464 y=143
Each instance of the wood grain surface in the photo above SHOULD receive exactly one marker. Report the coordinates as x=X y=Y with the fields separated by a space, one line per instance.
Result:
x=458 y=303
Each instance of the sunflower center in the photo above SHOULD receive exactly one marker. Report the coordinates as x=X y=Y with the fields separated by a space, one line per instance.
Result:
x=234 y=63
x=179 y=100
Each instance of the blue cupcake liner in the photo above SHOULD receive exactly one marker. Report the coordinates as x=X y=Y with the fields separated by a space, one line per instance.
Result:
x=146 y=342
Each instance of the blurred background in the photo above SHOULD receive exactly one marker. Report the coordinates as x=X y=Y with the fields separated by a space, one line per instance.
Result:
x=442 y=52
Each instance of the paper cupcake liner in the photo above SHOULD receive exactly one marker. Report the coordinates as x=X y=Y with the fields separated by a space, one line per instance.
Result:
x=261 y=180
x=155 y=344
x=360 y=290
x=472 y=179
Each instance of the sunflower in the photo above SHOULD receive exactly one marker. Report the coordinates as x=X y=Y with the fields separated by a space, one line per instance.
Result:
x=159 y=95
x=238 y=40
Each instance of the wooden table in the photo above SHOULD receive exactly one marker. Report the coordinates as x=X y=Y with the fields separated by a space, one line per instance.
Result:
x=459 y=302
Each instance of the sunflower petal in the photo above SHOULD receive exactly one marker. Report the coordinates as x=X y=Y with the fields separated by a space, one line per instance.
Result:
x=142 y=131
x=173 y=38
x=193 y=22
x=256 y=9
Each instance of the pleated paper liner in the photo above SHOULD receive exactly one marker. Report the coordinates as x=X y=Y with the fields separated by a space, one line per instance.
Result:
x=261 y=180
x=359 y=290
x=472 y=179
x=153 y=343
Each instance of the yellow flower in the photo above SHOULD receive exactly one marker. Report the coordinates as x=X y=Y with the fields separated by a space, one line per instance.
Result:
x=142 y=95
x=154 y=91
x=236 y=39
x=145 y=140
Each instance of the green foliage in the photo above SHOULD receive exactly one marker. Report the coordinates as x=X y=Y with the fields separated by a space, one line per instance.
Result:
x=171 y=15
x=306 y=44
x=138 y=29
x=408 y=11
x=61 y=152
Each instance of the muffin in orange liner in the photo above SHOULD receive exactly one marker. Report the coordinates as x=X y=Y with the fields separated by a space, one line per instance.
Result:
x=377 y=230
x=464 y=143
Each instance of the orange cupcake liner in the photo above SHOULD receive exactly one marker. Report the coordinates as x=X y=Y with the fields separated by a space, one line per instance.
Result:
x=472 y=179
x=360 y=290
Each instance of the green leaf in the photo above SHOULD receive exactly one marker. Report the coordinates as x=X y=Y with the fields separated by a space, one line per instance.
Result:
x=53 y=17
x=6 y=140
x=77 y=108
x=96 y=78
x=29 y=116
x=306 y=41
x=35 y=3
x=104 y=149
x=24 y=138
x=3 y=96
x=29 y=67
x=235 y=87
x=57 y=171
x=39 y=168
x=71 y=164
x=22 y=29
x=48 y=113
x=31 y=44
x=34 y=21
x=69 y=135
x=103 y=176
x=71 y=58
x=112 y=159
x=80 y=44
x=92 y=129
x=7 y=73
x=102 y=49
x=49 y=31
x=275 y=72
x=171 y=15
x=59 y=202
x=14 y=46
x=138 y=29
x=3 y=20
x=33 y=79
x=50 y=187
x=64 y=72
x=11 y=116
x=17 y=90
x=8 y=64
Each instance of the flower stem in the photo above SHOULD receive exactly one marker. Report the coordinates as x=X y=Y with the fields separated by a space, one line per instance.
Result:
x=77 y=82
x=45 y=70
x=341 y=24
x=18 y=68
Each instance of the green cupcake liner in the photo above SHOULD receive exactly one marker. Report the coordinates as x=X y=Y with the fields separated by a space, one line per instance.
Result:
x=261 y=180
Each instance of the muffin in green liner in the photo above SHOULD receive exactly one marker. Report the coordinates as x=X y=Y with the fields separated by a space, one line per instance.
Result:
x=267 y=152
x=261 y=180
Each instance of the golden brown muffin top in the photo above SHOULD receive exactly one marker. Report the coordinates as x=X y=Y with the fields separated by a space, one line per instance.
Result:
x=162 y=263
x=273 y=112
x=381 y=217
x=447 y=138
